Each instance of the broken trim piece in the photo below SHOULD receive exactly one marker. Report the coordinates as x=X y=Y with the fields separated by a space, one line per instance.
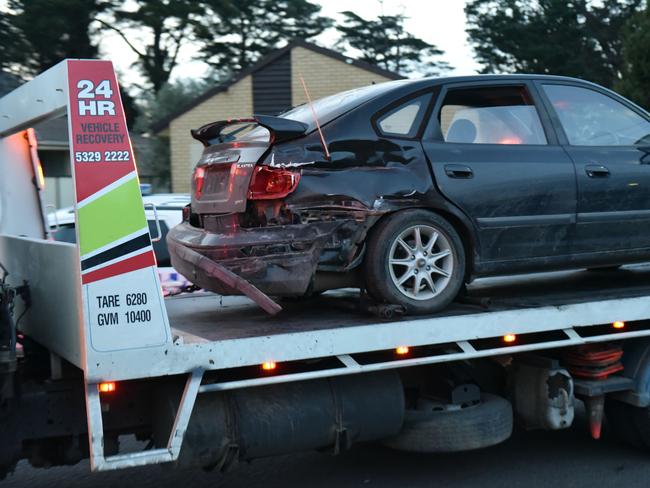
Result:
x=229 y=278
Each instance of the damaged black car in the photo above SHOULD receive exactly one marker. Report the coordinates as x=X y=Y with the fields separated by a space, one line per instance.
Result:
x=411 y=189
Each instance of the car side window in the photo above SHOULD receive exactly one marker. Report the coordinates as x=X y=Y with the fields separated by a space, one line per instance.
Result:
x=590 y=118
x=405 y=119
x=490 y=115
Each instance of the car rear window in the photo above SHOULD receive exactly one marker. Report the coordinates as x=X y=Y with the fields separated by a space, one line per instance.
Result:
x=326 y=109
x=333 y=106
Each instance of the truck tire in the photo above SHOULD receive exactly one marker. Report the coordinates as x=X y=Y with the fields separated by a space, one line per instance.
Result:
x=415 y=259
x=485 y=424
x=629 y=423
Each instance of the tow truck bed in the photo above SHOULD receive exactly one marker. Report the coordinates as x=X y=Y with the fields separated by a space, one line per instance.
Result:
x=204 y=317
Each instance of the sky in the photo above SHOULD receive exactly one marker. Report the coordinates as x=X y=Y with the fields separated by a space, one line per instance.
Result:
x=439 y=22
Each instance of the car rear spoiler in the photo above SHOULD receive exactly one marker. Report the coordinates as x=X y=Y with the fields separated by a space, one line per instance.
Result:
x=281 y=129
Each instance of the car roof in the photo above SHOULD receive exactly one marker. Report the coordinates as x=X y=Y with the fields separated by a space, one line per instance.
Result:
x=510 y=76
x=444 y=80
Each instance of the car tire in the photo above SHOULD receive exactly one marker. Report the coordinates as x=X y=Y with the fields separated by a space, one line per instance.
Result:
x=393 y=252
x=485 y=424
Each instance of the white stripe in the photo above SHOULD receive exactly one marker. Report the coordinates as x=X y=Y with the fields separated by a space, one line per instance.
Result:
x=106 y=189
x=117 y=260
x=115 y=243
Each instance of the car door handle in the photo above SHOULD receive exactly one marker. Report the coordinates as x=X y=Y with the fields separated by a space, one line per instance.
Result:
x=596 y=171
x=458 y=171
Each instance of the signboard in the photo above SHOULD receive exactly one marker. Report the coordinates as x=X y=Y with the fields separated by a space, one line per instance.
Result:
x=123 y=302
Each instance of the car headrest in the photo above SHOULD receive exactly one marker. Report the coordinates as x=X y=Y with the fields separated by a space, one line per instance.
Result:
x=462 y=130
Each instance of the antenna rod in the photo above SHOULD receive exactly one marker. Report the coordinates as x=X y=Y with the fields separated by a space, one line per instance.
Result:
x=5 y=273
x=313 y=112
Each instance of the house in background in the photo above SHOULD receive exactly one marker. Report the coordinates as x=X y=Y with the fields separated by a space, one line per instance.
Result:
x=268 y=87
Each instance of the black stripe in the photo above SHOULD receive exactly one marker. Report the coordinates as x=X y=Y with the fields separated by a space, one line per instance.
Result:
x=623 y=215
x=526 y=220
x=115 y=252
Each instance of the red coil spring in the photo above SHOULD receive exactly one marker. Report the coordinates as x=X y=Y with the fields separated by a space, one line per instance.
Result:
x=594 y=361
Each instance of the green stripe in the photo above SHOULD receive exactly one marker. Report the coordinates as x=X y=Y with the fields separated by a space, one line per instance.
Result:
x=111 y=217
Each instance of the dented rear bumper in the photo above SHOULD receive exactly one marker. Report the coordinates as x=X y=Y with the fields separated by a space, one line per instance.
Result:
x=278 y=260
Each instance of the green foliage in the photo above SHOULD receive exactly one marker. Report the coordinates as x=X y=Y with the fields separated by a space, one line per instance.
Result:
x=38 y=34
x=236 y=33
x=46 y=31
x=10 y=43
x=636 y=52
x=573 y=38
x=166 y=23
x=156 y=107
x=386 y=43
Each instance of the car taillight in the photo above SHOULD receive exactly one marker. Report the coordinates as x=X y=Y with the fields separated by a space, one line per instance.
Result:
x=199 y=178
x=271 y=183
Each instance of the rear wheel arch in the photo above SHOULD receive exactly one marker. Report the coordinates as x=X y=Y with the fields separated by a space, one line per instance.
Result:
x=467 y=235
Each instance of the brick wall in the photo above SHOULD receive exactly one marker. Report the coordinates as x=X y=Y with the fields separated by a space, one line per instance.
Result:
x=237 y=101
x=325 y=75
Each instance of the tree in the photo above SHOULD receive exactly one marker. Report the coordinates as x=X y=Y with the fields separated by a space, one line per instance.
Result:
x=236 y=33
x=154 y=108
x=10 y=43
x=44 y=32
x=606 y=22
x=636 y=52
x=574 y=38
x=167 y=25
x=386 y=43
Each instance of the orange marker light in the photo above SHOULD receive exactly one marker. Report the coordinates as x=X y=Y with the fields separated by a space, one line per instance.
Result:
x=40 y=177
x=509 y=338
x=269 y=366
x=108 y=387
x=619 y=324
x=402 y=350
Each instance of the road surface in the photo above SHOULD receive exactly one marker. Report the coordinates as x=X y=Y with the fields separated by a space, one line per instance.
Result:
x=529 y=460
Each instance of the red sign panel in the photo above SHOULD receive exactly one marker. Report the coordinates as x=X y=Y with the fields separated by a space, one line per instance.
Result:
x=100 y=142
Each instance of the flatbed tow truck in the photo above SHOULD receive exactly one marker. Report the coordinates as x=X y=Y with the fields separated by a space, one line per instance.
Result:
x=92 y=352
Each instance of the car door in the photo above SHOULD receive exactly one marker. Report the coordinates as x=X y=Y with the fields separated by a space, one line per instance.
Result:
x=495 y=155
x=608 y=140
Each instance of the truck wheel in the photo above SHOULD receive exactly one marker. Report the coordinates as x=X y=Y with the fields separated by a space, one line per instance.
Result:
x=629 y=424
x=415 y=259
x=464 y=429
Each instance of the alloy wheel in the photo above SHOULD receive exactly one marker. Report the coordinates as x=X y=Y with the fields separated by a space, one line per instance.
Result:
x=421 y=262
